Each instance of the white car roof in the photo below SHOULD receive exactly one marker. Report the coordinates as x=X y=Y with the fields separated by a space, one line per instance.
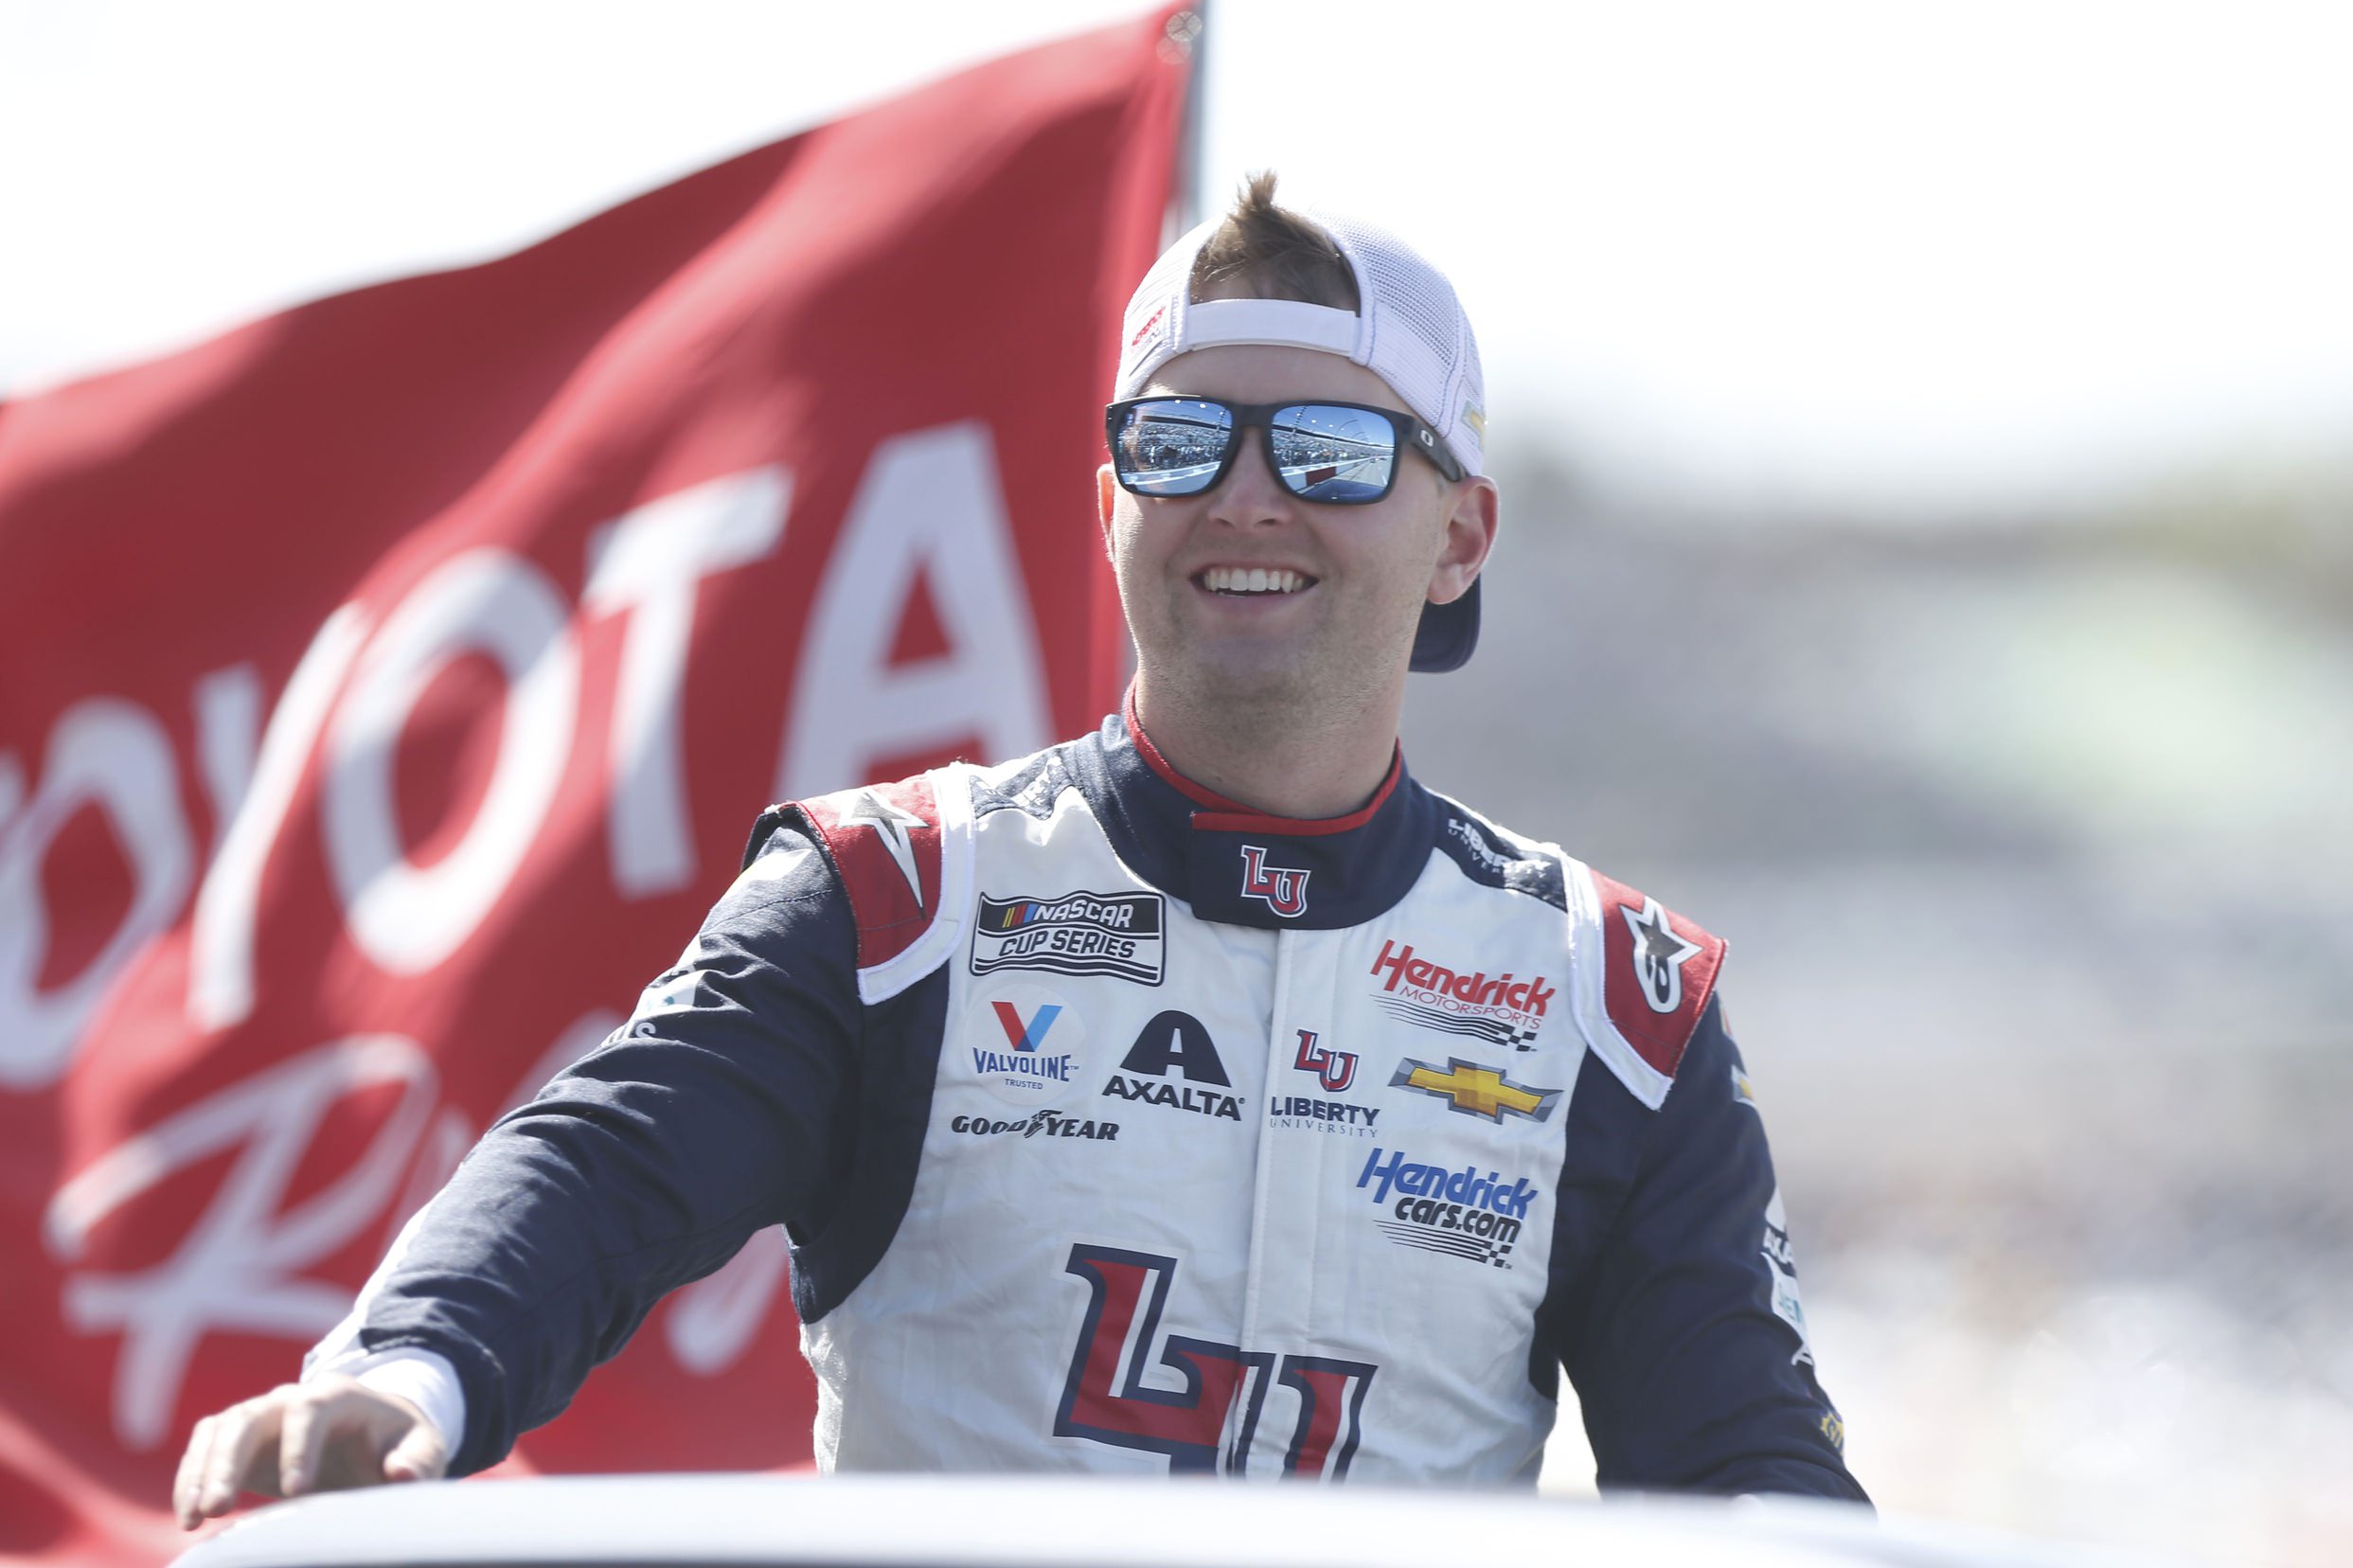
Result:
x=951 y=1521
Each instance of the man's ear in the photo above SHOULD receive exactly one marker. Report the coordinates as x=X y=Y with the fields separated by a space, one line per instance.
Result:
x=1106 y=492
x=1471 y=519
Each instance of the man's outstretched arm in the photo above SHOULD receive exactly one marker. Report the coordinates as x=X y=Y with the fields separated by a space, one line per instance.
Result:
x=714 y=1111
x=1686 y=1340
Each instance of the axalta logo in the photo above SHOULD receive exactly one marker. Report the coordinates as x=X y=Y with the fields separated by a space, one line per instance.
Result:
x=1504 y=1010
x=1335 y=1071
x=1176 y=1043
x=1150 y=322
x=1043 y=1124
x=1466 y=1213
x=1028 y=1048
x=1280 y=888
x=1475 y=1090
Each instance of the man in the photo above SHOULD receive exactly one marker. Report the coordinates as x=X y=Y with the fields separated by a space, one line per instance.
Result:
x=1201 y=1095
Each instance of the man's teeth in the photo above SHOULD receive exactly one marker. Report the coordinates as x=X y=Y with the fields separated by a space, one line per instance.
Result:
x=1254 y=580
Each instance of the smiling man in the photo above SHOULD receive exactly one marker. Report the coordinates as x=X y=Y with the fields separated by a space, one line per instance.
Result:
x=1203 y=1094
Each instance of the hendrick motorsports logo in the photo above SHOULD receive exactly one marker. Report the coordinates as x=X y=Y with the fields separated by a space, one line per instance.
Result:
x=1503 y=1012
x=1120 y=934
x=1464 y=1213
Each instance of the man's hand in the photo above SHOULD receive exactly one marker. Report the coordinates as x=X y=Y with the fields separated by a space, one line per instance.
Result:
x=321 y=1435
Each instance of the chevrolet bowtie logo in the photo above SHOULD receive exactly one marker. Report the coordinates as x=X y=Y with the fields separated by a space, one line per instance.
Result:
x=1475 y=1090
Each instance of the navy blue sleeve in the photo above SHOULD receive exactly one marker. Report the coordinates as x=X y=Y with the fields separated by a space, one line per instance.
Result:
x=714 y=1111
x=1684 y=1337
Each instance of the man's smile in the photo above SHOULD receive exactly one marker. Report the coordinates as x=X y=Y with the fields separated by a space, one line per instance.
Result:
x=1245 y=582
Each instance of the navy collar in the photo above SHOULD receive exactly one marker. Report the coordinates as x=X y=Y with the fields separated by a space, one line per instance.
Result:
x=1241 y=867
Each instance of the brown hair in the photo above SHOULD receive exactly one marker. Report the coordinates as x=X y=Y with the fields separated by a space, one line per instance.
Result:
x=1265 y=252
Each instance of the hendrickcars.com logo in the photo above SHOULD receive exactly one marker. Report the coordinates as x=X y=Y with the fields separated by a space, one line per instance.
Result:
x=1504 y=1010
x=1466 y=1213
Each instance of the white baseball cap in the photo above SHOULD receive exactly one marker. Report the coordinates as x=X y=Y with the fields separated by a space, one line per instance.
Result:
x=1410 y=330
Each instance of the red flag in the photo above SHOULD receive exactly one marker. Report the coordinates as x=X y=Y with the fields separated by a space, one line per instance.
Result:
x=386 y=688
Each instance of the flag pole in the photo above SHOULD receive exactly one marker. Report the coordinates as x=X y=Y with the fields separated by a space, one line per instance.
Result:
x=1188 y=31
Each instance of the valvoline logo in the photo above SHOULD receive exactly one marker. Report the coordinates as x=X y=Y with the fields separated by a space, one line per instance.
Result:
x=1026 y=1035
x=1027 y=1044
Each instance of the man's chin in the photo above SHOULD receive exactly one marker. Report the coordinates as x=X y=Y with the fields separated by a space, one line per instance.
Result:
x=1240 y=673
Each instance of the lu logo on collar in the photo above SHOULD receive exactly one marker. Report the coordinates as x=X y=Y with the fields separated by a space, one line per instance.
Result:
x=1235 y=865
x=1282 y=889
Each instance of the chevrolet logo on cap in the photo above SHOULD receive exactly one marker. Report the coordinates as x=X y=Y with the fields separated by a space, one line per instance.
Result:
x=1474 y=1090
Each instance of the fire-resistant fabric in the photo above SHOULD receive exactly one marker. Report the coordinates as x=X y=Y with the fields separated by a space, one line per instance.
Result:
x=1117 y=1128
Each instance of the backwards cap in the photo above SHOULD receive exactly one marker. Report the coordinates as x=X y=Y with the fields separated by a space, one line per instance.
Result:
x=1411 y=332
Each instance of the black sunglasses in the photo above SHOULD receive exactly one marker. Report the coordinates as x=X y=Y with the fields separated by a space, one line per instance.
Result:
x=1338 y=453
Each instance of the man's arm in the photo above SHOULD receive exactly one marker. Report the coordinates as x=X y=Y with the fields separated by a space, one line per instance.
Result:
x=714 y=1111
x=1684 y=1337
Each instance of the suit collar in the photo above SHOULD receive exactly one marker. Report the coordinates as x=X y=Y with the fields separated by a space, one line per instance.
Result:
x=1241 y=867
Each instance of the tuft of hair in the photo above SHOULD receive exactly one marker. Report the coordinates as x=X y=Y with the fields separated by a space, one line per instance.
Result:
x=1265 y=252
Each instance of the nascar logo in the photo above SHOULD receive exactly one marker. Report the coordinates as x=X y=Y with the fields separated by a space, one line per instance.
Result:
x=1115 y=934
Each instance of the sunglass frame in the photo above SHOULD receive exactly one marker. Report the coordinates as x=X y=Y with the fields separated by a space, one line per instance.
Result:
x=1411 y=435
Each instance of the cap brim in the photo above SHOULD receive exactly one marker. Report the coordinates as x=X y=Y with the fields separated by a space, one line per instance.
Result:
x=1446 y=634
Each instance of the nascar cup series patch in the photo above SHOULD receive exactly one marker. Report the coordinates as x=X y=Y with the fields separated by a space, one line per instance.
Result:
x=1115 y=934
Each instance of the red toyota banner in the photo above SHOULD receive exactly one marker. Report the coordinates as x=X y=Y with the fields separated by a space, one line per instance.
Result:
x=386 y=690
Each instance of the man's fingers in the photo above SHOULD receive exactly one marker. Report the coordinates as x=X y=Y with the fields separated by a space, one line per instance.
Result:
x=240 y=1433
x=300 y=1438
x=299 y=1442
x=192 y=1472
x=418 y=1456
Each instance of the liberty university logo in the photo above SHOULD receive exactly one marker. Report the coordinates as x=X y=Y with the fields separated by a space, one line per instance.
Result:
x=1133 y=1386
x=1334 y=1069
x=1285 y=891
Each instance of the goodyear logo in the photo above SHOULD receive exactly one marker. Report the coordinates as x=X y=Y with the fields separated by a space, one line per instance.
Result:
x=1475 y=1090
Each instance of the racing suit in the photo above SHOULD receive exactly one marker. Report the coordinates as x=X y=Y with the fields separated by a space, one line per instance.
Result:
x=1117 y=1127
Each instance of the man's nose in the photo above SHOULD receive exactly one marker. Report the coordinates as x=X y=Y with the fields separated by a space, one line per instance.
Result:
x=1250 y=493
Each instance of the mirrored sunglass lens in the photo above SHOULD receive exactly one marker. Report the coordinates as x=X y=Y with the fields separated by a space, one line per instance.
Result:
x=1326 y=452
x=1172 y=447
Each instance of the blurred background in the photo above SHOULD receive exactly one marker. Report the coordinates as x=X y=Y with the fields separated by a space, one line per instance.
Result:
x=1926 y=436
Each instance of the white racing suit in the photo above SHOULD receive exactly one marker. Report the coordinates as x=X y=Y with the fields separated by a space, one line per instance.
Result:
x=1119 y=1128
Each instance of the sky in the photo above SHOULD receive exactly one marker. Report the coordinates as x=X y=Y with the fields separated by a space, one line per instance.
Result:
x=1882 y=258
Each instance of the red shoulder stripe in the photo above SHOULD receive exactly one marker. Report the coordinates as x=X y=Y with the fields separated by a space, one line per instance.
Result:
x=884 y=840
x=1657 y=972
